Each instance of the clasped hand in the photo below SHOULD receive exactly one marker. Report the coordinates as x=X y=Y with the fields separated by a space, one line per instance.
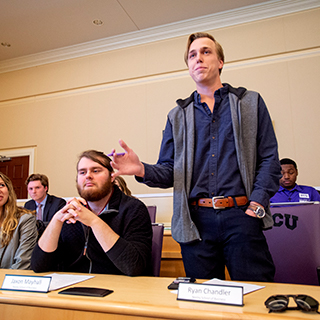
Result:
x=74 y=211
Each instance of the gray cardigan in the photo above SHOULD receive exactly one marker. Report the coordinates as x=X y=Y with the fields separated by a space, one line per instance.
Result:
x=244 y=113
x=17 y=254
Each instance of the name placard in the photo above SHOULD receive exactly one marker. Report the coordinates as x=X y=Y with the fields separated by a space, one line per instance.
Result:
x=211 y=293
x=26 y=283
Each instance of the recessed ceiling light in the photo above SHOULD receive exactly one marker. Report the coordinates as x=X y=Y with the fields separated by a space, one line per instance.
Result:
x=6 y=44
x=97 y=22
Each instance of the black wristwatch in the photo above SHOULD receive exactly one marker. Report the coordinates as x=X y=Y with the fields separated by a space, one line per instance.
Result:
x=259 y=211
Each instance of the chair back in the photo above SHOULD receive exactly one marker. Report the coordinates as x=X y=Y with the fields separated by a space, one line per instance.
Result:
x=152 y=212
x=157 y=240
x=294 y=243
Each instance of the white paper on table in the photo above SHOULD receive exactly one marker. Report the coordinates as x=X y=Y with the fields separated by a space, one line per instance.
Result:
x=247 y=288
x=59 y=281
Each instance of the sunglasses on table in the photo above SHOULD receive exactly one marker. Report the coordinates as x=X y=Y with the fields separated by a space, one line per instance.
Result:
x=280 y=303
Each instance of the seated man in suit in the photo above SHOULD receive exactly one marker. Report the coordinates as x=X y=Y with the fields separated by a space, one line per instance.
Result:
x=104 y=231
x=46 y=205
x=289 y=191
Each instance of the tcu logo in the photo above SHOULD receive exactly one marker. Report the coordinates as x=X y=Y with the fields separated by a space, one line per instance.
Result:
x=289 y=221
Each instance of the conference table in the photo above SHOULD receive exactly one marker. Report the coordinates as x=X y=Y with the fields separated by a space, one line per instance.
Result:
x=140 y=298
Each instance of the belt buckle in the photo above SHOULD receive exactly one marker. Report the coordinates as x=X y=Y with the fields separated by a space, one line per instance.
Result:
x=213 y=204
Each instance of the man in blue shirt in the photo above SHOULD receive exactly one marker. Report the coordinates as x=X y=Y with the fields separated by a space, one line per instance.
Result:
x=289 y=191
x=219 y=152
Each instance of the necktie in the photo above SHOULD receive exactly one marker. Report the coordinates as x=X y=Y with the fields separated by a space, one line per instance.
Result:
x=39 y=213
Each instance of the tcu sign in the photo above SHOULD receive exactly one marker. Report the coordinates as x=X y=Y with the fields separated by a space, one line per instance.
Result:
x=294 y=243
x=290 y=221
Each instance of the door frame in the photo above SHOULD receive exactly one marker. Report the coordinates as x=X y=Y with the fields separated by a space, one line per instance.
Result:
x=20 y=152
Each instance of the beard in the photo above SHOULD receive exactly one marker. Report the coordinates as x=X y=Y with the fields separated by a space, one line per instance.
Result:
x=93 y=194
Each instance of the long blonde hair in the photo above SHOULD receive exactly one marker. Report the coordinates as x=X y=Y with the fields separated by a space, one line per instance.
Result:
x=123 y=186
x=11 y=213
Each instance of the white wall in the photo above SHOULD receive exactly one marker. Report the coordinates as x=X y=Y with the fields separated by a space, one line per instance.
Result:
x=62 y=108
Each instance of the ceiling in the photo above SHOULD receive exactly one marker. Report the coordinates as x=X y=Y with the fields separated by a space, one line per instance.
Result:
x=33 y=26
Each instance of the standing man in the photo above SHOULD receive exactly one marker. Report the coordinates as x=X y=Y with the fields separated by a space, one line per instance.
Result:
x=107 y=231
x=219 y=152
x=46 y=205
x=289 y=191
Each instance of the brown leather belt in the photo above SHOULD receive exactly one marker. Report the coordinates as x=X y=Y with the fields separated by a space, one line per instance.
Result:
x=220 y=202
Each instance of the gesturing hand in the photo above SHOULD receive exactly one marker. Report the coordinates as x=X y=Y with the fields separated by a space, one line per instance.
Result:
x=128 y=163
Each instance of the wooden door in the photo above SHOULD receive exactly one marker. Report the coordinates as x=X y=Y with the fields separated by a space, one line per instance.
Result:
x=17 y=169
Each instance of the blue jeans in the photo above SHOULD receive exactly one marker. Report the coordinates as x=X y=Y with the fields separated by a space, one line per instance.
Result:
x=231 y=238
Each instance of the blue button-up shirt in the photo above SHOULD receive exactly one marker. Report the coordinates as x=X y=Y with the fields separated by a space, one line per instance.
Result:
x=215 y=170
x=43 y=202
x=214 y=143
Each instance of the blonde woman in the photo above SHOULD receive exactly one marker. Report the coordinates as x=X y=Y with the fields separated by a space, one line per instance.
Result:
x=18 y=230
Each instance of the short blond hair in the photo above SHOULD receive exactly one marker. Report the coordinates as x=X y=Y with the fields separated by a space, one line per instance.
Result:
x=198 y=35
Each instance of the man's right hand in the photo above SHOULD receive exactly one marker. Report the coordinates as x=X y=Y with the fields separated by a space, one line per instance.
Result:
x=127 y=164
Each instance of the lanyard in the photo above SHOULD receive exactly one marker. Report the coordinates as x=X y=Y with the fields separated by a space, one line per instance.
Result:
x=86 y=229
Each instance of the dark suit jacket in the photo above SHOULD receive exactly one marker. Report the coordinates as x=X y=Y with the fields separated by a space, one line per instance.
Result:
x=53 y=205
